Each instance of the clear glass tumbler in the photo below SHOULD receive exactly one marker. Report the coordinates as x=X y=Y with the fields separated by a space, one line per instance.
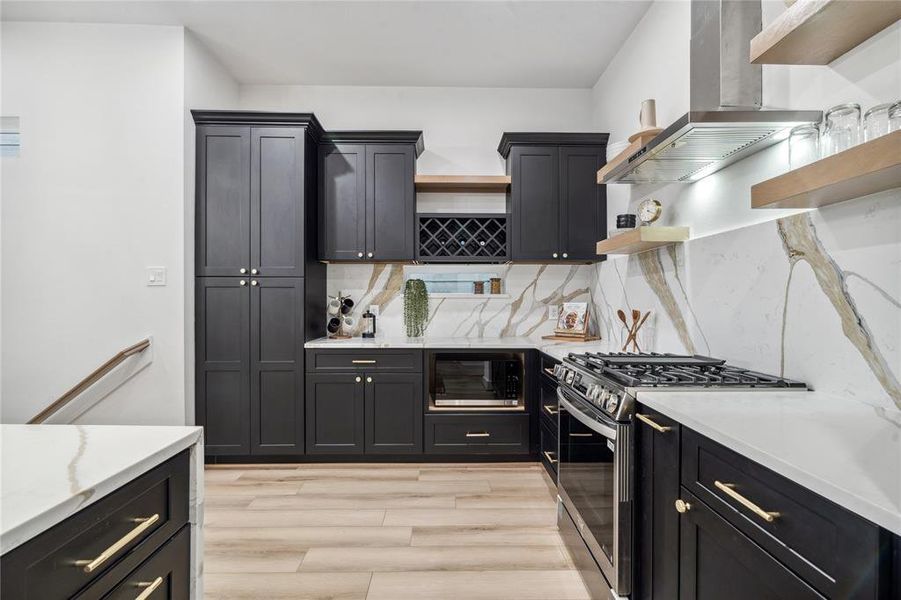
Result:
x=876 y=121
x=803 y=145
x=894 y=117
x=841 y=128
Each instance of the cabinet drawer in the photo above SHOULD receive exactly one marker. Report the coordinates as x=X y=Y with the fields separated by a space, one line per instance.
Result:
x=477 y=434
x=547 y=364
x=548 y=405
x=102 y=536
x=167 y=572
x=394 y=360
x=549 y=448
x=822 y=542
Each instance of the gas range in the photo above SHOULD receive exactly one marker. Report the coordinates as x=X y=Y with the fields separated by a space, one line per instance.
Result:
x=608 y=382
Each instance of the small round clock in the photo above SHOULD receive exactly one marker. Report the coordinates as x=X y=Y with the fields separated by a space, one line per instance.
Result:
x=649 y=211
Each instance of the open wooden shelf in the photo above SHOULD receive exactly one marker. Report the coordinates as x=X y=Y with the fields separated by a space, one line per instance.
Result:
x=642 y=239
x=498 y=184
x=816 y=32
x=874 y=166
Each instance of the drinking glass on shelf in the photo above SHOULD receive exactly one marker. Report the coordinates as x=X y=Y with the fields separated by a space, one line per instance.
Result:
x=894 y=117
x=803 y=145
x=876 y=121
x=841 y=128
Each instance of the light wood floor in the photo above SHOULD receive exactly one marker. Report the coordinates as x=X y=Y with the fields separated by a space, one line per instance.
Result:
x=384 y=532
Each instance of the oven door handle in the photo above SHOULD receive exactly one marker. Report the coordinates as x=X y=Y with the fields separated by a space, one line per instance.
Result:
x=605 y=430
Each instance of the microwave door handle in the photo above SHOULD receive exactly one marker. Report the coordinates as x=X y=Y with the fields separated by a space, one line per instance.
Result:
x=605 y=430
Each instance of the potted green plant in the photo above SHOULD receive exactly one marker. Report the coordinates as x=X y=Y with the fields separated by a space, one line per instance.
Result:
x=416 y=307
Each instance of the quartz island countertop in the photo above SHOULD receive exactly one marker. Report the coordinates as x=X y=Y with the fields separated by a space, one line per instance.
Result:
x=557 y=349
x=842 y=449
x=50 y=472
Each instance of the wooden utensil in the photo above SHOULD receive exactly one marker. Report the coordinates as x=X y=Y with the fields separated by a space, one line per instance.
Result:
x=622 y=317
x=636 y=315
x=635 y=333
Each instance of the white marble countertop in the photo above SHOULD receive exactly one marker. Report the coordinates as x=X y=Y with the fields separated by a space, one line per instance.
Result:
x=50 y=472
x=554 y=348
x=844 y=450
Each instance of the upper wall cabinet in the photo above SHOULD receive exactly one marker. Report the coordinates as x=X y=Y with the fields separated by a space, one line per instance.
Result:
x=251 y=184
x=367 y=196
x=559 y=212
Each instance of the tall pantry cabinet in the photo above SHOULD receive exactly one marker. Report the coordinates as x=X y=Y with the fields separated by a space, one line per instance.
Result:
x=260 y=292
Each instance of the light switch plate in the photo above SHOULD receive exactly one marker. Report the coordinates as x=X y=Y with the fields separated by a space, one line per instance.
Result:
x=553 y=311
x=156 y=275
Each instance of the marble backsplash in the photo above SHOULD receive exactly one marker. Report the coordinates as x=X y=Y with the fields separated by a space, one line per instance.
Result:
x=814 y=297
x=521 y=311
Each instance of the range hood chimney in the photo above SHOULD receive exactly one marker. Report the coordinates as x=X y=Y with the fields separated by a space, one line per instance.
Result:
x=724 y=123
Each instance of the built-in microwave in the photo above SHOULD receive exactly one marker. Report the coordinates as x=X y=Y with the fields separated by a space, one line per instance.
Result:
x=476 y=380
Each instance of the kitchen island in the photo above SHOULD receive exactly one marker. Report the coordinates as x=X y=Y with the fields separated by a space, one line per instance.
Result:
x=74 y=499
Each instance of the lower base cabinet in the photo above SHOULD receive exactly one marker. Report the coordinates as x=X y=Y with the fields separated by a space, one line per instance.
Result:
x=477 y=434
x=364 y=413
x=718 y=561
x=548 y=447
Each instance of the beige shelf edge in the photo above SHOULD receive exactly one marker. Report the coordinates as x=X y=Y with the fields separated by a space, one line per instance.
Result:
x=462 y=183
x=816 y=32
x=859 y=171
x=642 y=239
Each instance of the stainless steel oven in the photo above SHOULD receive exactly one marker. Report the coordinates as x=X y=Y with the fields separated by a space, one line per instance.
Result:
x=596 y=489
x=476 y=379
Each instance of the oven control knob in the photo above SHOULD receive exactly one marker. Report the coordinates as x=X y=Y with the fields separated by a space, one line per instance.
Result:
x=603 y=394
x=612 y=403
x=569 y=377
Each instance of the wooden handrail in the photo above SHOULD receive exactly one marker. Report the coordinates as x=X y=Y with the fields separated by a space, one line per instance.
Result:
x=90 y=380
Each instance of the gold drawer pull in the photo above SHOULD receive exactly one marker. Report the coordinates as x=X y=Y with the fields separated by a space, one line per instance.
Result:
x=547 y=455
x=549 y=371
x=581 y=434
x=651 y=423
x=358 y=361
x=729 y=490
x=149 y=588
x=551 y=409
x=682 y=506
x=143 y=525
x=478 y=434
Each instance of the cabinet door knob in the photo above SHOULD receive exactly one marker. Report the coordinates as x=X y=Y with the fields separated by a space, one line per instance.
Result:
x=359 y=255
x=242 y=283
x=369 y=380
x=565 y=255
x=369 y=255
x=682 y=506
x=555 y=255
x=254 y=271
x=358 y=379
x=242 y=271
x=254 y=282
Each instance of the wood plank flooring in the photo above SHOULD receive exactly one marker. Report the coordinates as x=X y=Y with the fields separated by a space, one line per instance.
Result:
x=384 y=532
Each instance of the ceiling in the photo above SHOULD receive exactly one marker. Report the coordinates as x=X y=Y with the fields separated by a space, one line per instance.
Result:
x=543 y=44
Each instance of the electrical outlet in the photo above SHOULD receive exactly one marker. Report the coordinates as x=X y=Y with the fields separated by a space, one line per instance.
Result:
x=156 y=275
x=553 y=311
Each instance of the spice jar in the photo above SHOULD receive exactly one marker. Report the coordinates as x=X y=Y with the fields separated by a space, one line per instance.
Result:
x=478 y=287
x=495 y=285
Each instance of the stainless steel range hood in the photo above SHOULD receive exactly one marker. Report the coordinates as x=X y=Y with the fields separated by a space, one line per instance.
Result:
x=724 y=123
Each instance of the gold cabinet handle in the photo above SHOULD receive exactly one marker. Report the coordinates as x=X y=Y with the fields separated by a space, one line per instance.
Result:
x=729 y=490
x=551 y=460
x=143 y=525
x=358 y=379
x=581 y=434
x=549 y=371
x=551 y=409
x=682 y=506
x=369 y=380
x=149 y=588
x=362 y=362
x=651 y=423
x=480 y=434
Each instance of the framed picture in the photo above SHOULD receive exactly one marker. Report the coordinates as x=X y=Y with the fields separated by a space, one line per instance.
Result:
x=573 y=319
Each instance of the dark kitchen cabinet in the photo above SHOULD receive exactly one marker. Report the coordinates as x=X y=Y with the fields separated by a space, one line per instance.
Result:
x=367 y=196
x=222 y=349
x=393 y=413
x=657 y=489
x=335 y=413
x=364 y=413
x=718 y=561
x=559 y=212
x=276 y=366
x=259 y=292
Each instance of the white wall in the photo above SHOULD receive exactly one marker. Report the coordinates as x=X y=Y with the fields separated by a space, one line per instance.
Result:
x=94 y=198
x=654 y=63
x=207 y=85
x=462 y=126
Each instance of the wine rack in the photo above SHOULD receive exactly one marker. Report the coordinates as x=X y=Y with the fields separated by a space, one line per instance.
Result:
x=463 y=237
